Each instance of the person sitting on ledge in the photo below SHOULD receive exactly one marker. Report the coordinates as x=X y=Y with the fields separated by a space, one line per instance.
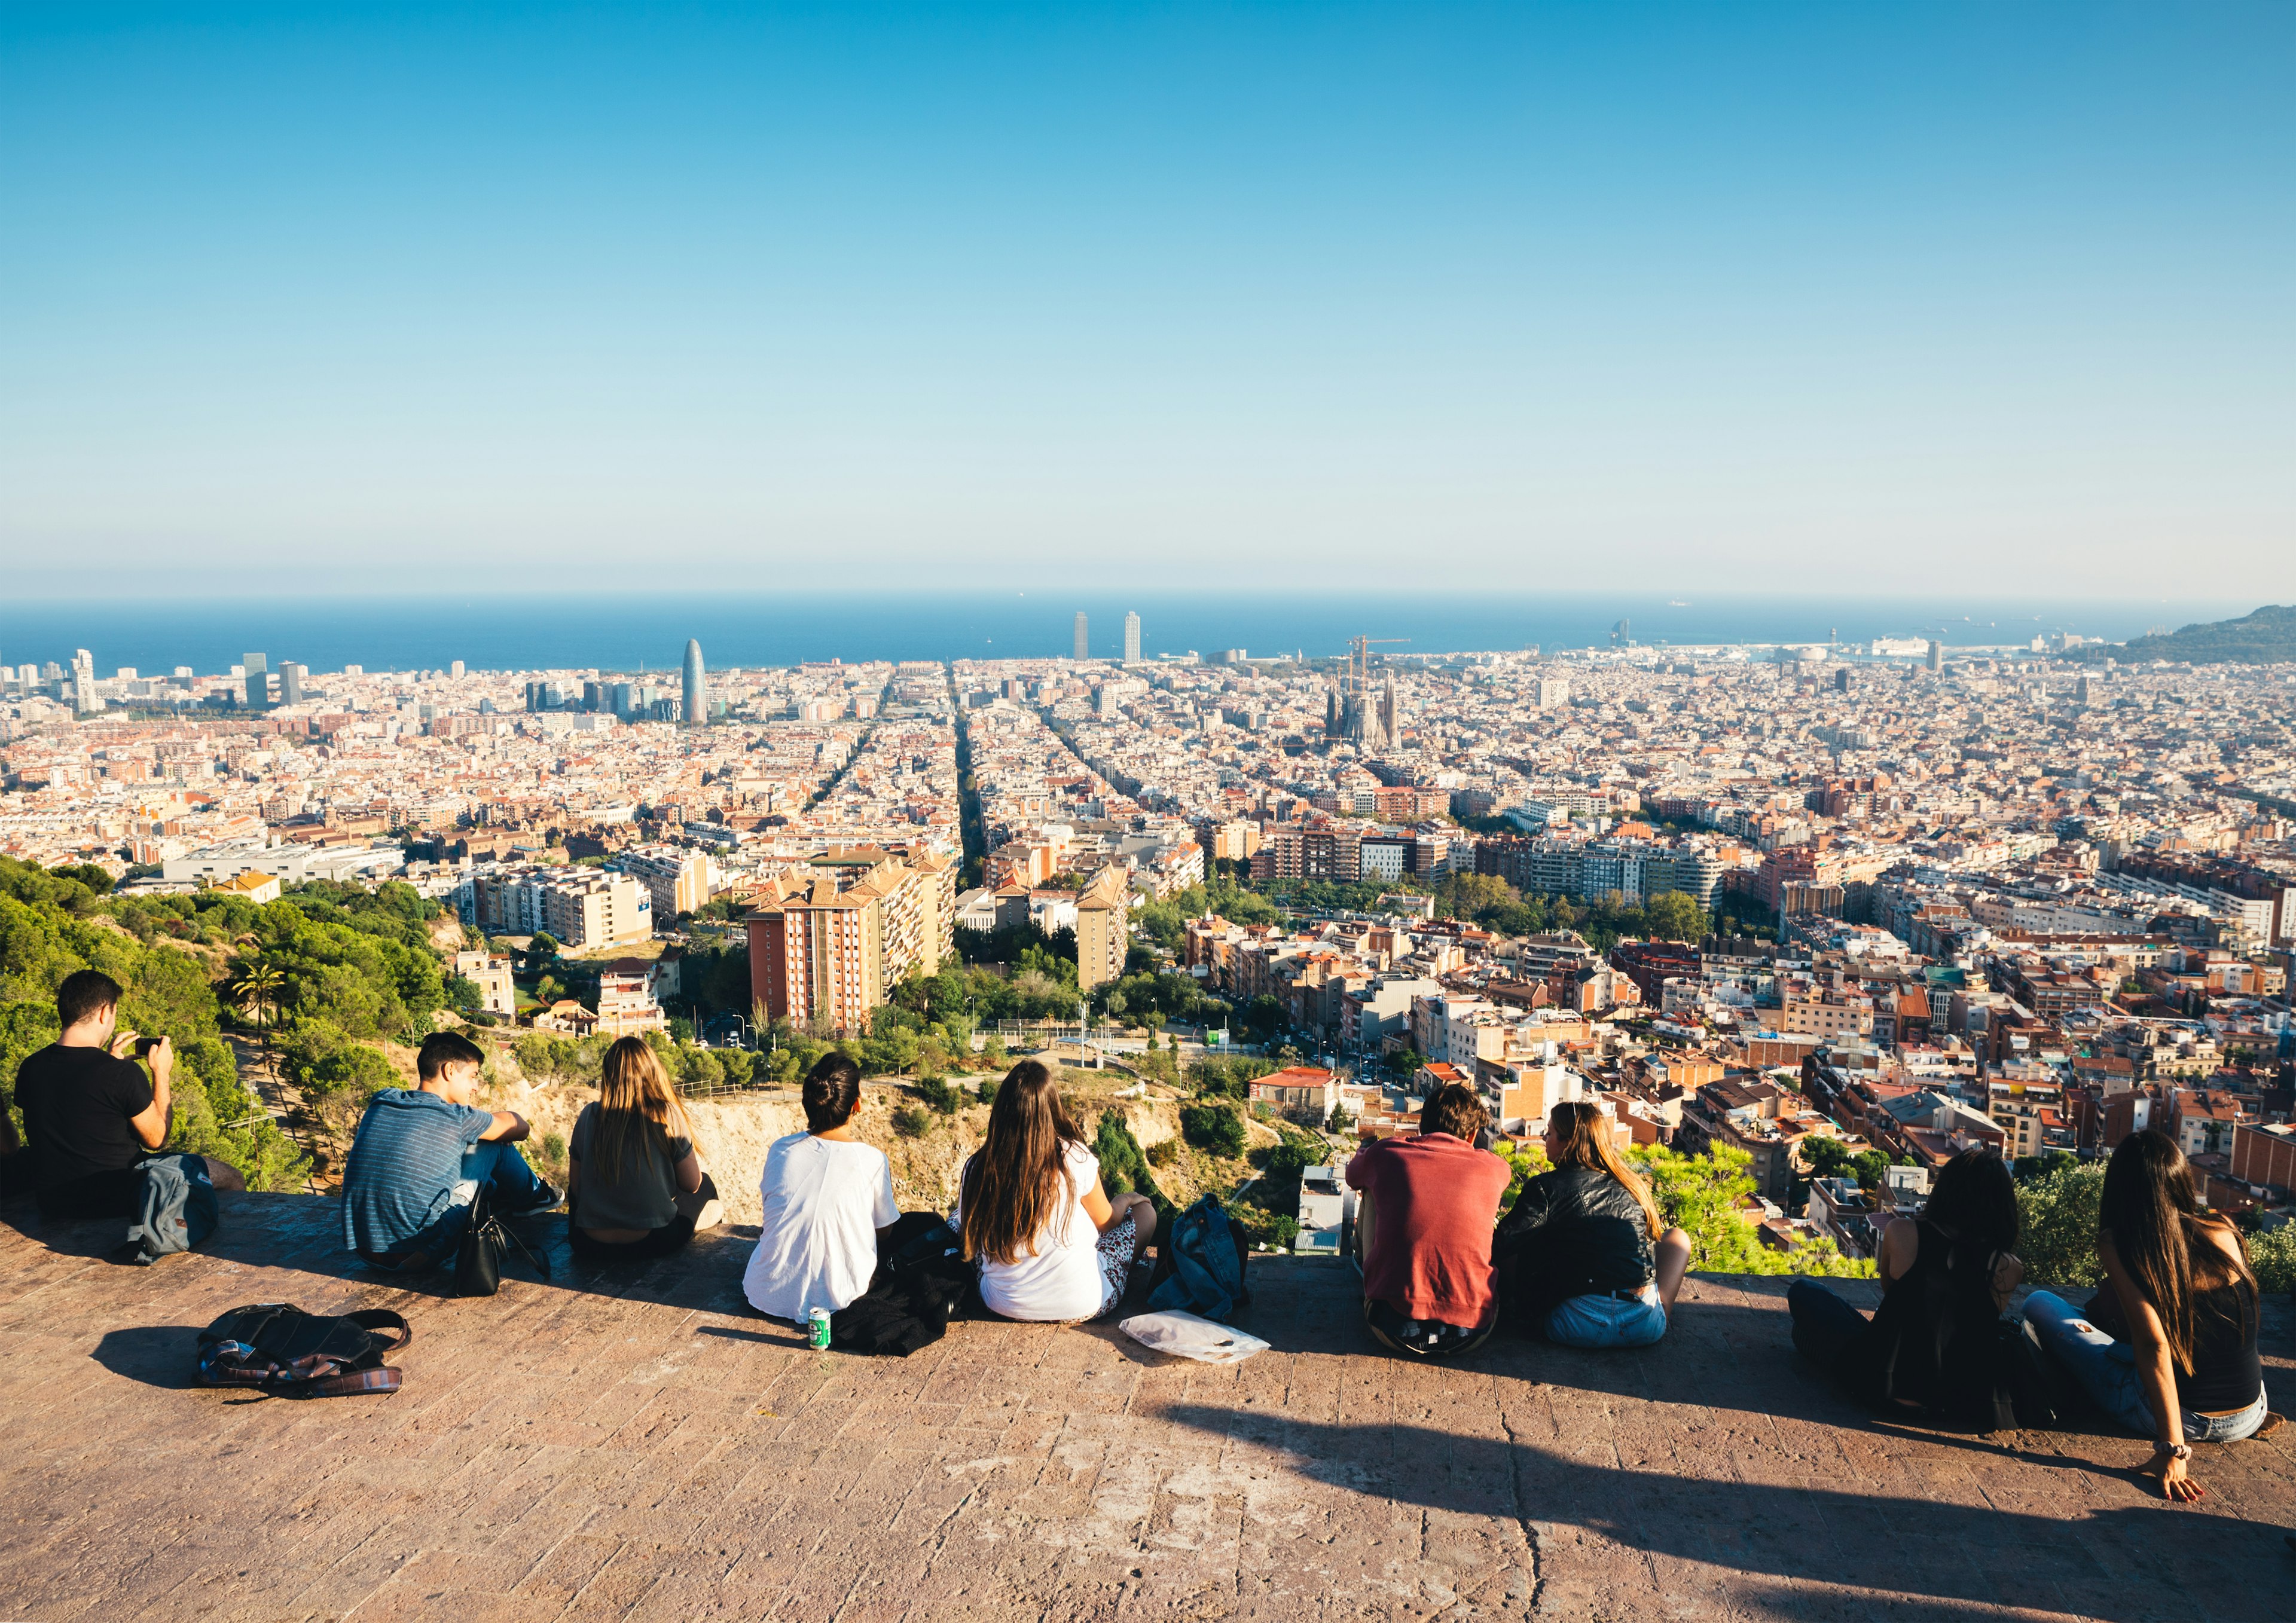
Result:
x=92 y=1116
x=826 y=1198
x=1052 y=1246
x=2175 y=1353
x=1583 y=1255
x=1423 y=1230
x=635 y=1187
x=1934 y=1343
x=422 y=1156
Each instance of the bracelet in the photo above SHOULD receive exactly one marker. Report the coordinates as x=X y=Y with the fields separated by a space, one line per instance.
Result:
x=2175 y=1451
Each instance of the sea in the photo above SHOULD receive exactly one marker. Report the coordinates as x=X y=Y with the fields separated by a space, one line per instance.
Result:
x=630 y=632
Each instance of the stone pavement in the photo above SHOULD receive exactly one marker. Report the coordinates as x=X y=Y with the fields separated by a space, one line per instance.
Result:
x=630 y=1442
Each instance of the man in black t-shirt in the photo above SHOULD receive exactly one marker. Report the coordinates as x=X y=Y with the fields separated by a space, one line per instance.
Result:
x=90 y=1114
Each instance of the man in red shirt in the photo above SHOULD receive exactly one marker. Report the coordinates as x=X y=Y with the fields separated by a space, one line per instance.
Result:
x=1423 y=1230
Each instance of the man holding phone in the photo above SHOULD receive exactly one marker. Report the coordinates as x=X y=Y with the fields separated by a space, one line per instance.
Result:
x=91 y=1115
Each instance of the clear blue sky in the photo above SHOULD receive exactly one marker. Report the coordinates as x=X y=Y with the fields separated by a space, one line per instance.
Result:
x=1834 y=297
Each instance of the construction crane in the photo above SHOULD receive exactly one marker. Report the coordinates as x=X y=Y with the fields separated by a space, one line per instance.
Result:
x=1359 y=665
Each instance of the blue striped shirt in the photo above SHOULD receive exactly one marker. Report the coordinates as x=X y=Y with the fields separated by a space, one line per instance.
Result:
x=403 y=1165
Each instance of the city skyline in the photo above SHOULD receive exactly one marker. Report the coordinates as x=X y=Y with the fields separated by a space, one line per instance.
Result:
x=1461 y=297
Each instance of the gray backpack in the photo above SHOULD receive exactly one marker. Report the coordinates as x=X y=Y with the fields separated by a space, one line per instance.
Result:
x=176 y=1203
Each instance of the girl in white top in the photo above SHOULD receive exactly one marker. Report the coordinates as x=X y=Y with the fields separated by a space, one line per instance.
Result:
x=1049 y=1243
x=827 y=1197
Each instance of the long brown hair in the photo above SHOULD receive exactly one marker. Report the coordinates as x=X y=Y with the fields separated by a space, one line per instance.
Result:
x=638 y=1107
x=1590 y=1139
x=1015 y=1183
x=2149 y=1211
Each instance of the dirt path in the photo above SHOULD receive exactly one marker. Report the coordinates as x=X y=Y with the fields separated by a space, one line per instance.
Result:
x=282 y=1098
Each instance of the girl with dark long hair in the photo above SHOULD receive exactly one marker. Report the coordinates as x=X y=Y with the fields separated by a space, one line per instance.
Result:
x=1934 y=1344
x=1583 y=1255
x=1031 y=1213
x=636 y=1187
x=2178 y=1357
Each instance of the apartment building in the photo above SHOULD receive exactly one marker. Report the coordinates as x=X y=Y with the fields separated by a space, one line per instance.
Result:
x=492 y=976
x=1104 y=928
x=676 y=879
x=831 y=940
x=625 y=1004
x=582 y=908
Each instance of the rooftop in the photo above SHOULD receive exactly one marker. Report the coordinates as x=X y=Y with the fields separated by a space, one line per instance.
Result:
x=631 y=1442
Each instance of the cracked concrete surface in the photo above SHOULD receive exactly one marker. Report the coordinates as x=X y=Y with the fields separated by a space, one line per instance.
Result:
x=632 y=1443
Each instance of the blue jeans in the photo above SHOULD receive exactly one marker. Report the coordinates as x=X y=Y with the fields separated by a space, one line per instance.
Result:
x=509 y=1183
x=2106 y=1370
x=1608 y=1320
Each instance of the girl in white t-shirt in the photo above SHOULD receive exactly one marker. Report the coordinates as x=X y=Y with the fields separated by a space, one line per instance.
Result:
x=1049 y=1243
x=827 y=1197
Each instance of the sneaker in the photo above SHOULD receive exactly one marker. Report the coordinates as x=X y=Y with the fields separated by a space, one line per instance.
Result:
x=548 y=1197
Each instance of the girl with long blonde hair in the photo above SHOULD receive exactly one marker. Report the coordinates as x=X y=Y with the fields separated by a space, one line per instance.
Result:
x=1031 y=1212
x=637 y=1187
x=1584 y=1254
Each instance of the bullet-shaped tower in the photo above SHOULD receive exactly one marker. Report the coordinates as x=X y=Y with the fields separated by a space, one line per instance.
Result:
x=697 y=687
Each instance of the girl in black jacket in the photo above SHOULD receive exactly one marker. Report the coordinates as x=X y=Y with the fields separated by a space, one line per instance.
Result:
x=1582 y=1255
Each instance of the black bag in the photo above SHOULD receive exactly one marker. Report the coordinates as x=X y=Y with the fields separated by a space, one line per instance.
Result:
x=921 y=1277
x=280 y=1350
x=478 y=1258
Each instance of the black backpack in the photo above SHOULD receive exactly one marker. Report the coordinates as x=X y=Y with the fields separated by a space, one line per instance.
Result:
x=282 y=1351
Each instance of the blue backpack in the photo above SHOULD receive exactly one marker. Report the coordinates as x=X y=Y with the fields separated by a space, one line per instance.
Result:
x=1200 y=1263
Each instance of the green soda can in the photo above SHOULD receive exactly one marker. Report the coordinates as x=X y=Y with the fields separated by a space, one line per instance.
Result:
x=816 y=1329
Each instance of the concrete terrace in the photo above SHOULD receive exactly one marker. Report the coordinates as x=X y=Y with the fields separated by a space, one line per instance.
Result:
x=634 y=1444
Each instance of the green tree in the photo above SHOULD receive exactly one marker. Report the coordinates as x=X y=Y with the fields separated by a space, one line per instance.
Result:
x=1671 y=915
x=2057 y=1215
x=1121 y=1158
x=2272 y=1253
x=1215 y=1128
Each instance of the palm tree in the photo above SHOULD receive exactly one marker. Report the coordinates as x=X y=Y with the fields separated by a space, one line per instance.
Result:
x=257 y=993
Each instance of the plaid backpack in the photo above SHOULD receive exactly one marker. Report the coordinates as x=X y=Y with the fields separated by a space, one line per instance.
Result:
x=282 y=1351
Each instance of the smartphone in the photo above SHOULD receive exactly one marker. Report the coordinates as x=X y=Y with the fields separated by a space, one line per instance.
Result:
x=145 y=1045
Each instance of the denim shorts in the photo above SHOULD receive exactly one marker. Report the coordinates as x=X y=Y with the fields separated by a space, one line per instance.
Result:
x=1607 y=1320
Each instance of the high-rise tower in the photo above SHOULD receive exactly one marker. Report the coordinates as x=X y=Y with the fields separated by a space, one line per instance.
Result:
x=1131 y=638
x=86 y=700
x=258 y=681
x=697 y=687
x=1083 y=639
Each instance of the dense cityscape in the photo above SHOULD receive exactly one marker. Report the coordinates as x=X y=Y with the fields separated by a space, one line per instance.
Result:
x=1812 y=903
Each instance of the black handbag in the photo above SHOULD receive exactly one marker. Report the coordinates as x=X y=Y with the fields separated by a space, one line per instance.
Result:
x=478 y=1258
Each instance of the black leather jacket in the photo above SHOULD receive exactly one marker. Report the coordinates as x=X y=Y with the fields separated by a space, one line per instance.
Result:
x=1574 y=1232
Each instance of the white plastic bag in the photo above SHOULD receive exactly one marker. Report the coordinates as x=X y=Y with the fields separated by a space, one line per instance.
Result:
x=1185 y=1335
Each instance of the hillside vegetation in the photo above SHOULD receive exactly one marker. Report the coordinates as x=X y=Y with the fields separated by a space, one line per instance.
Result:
x=2268 y=636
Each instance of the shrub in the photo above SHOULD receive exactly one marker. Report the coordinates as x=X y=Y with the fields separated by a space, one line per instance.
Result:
x=939 y=1096
x=2058 y=1214
x=1213 y=1127
x=910 y=1122
x=1163 y=1152
x=2273 y=1255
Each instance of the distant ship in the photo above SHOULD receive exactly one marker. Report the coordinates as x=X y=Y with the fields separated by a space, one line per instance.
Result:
x=1676 y=602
